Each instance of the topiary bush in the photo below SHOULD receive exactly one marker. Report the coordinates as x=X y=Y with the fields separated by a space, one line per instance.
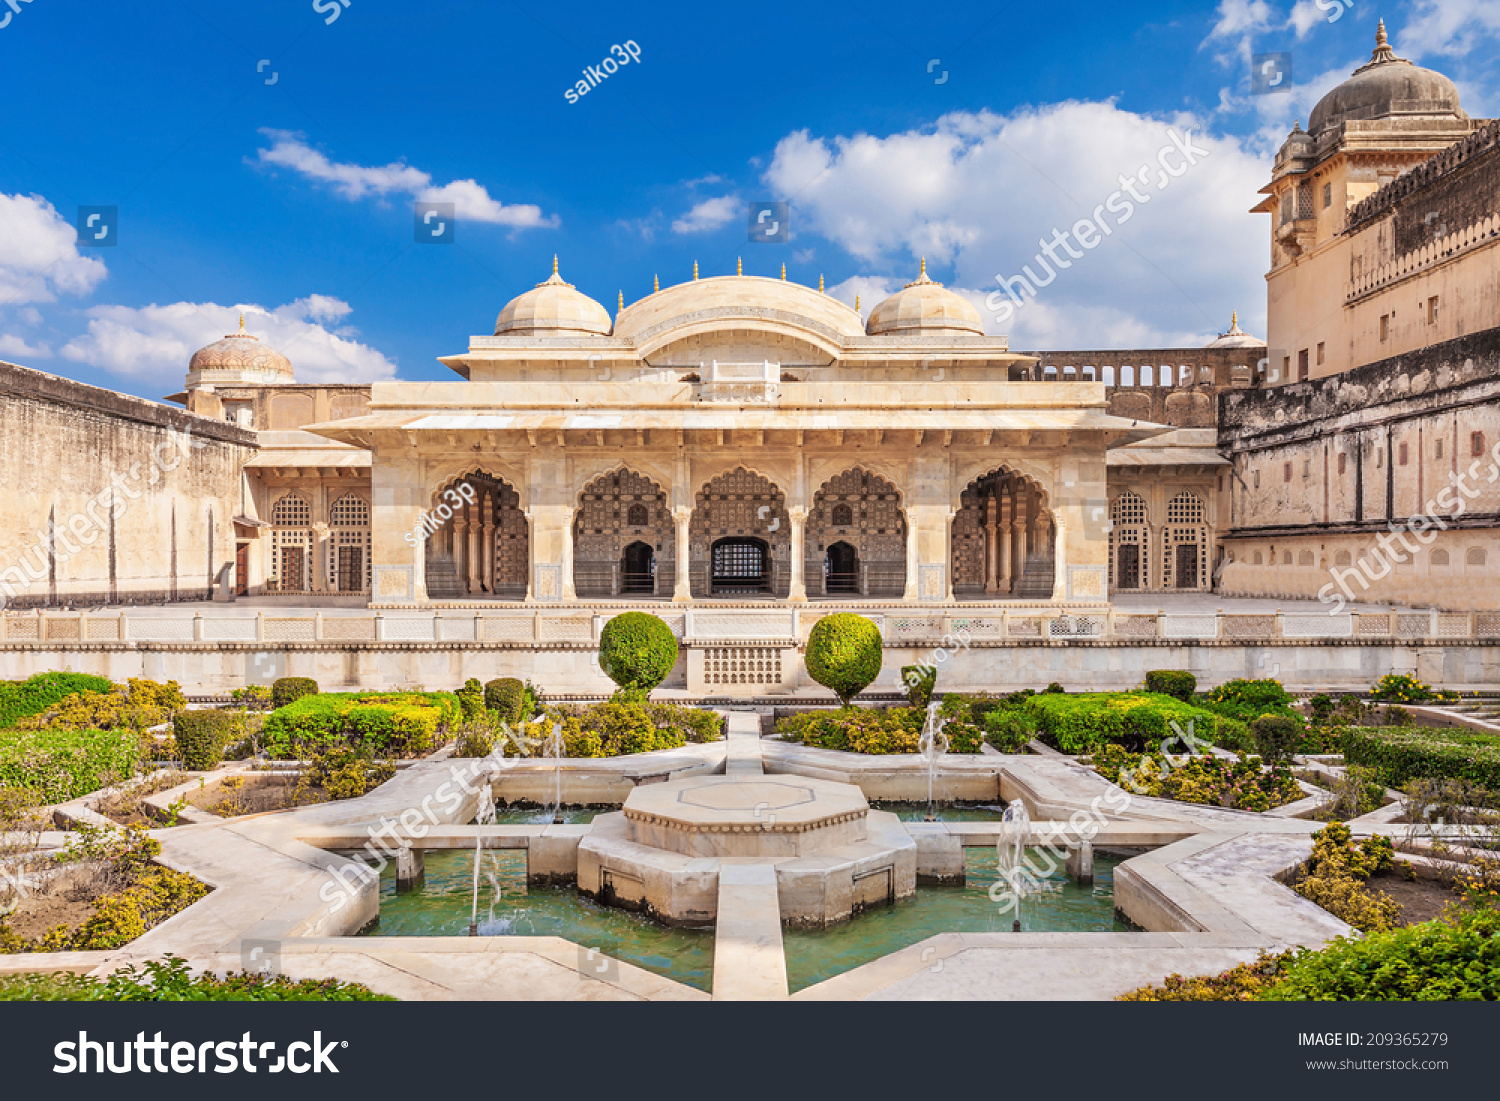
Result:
x=844 y=654
x=201 y=737
x=1176 y=683
x=1137 y=721
x=1248 y=700
x=920 y=680
x=393 y=725
x=1277 y=738
x=471 y=699
x=505 y=697
x=289 y=690
x=637 y=650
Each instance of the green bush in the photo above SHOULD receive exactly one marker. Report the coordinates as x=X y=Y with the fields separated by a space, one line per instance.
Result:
x=1240 y=784
x=1400 y=754
x=637 y=650
x=1401 y=688
x=1334 y=878
x=880 y=731
x=1172 y=682
x=253 y=697
x=1138 y=721
x=169 y=980
x=346 y=772
x=920 y=681
x=22 y=699
x=505 y=697
x=1248 y=700
x=625 y=724
x=1277 y=738
x=471 y=699
x=289 y=690
x=62 y=764
x=202 y=736
x=844 y=654
x=1321 y=708
x=139 y=705
x=393 y=725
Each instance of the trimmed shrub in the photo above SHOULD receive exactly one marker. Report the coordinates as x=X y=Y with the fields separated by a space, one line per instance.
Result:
x=22 y=699
x=625 y=725
x=202 y=736
x=1137 y=721
x=394 y=725
x=1248 y=700
x=1240 y=784
x=1335 y=876
x=142 y=704
x=844 y=654
x=1277 y=738
x=471 y=699
x=920 y=680
x=62 y=764
x=1320 y=709
x=289 y=690
x=880 y=731
x=1401 y=754
x=505 y=697
x=637 y=650
x=1176 y=683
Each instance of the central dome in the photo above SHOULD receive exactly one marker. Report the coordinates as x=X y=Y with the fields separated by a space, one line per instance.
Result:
x=924 y=306
x=1387 y=87
x=553 y=306
x=240 y=352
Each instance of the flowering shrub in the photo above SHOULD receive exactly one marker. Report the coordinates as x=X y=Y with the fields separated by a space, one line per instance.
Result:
x=1401 y=688
x=1239 y=784
x=625 y=724
x=1335 y=877
x=875 y=731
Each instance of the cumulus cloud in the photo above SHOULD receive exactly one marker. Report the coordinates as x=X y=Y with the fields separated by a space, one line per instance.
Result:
x=155 y=342
x=355 y=181
x=39 y=257
x=708 y=215
x=16 y=346
x=979 y=193
x=1451 y=27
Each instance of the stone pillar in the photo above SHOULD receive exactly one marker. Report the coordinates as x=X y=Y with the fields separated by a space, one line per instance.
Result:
x=991 y=550
x=1060 y=562
x=910 y=594
x=460 y=524
x=1005 y=582
x=476 y=531
x=798 y=514
x=322 y=563
x=682 y=591
x=487 y=543
x=1080 y=863
x=1022 y=528
x=410 y=867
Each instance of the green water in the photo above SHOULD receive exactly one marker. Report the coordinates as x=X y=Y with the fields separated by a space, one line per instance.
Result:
x=538 y=816
x=508 y=907
x=441 y=908
x=946 y=812
x=813 y=955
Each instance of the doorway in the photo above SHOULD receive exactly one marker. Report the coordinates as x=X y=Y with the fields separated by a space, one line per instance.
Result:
x=1128 y=566
x=242 y=569
x=841 y=568
x=1187 y=565
x=638 y=569
x=740 y=567
x=351 y=569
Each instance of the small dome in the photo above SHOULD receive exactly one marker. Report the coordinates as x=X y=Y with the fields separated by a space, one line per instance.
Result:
x=924 y=306
x=1235 y=337
x=240 y=352
x=553 y=306
x=1387 y=86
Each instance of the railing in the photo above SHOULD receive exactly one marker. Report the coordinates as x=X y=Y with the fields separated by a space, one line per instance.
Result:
x=901 y=625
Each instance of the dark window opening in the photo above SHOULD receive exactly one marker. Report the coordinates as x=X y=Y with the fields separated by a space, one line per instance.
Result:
x=842 y=567
x=741 y=566
x=638 y=568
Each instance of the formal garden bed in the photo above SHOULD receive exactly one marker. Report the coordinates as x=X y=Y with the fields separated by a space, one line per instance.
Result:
x=170 y=980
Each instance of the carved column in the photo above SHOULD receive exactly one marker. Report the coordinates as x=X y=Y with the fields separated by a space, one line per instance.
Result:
x=683 y=518
x=798 y=514
x=476 y=530
x=991 y=549
x=1060 y=562
x=910 y=594
x=460 y=526
x=487 y=543
x=1021 y=527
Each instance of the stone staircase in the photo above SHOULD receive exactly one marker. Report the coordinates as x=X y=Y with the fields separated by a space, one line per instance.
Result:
x=442 y=578
x=1035 y=582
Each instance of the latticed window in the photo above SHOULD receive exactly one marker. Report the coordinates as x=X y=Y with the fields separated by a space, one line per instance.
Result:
x=292 y=511
x=1185 y=508
x=1185 y=544
x=350 y=511
x=638 y=517
x=1129 y=560
x=843 y=516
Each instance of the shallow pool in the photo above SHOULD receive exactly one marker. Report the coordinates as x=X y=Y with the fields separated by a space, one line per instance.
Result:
x=525 y=815
x=946 y=812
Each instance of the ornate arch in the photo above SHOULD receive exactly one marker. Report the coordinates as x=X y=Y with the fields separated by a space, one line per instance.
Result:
x=862 y=510
x=290 y=569
x=444 y=475
x=1184 y=543
x=744 y=507
x=479 y=541
x=349 y=544
x=1003 y=534
x=604 y=526
x=1129 y=542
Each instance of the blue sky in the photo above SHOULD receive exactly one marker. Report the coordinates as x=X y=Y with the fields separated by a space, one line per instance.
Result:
x=293 y=199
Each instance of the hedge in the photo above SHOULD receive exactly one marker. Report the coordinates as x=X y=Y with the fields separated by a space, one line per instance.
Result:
x=22 y=699
x=202 y=736
x=844 y=654
x=170 y=980
x=877 y=731
x=1176 y=683
x=637 y=650
x=289 y=690
x=390 y=725
x=1135 y=720
x=1248 y=700
x=1399 y=754
x=625 y=725
x=62 y=764
x=505 y=696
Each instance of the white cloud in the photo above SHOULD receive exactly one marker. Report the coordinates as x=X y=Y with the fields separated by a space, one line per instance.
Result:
x=1450 y=27
x=156 y=342
x=16 y=346
x=39 y=257
x=977 y=193
x=708 y=215
x=354 y=181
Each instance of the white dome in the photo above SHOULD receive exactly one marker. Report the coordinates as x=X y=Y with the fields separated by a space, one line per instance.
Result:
x=924 y=306
x=1235 y=337
x=553 y=306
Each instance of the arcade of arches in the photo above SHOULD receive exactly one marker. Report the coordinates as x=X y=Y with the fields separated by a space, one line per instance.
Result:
x=483 y=550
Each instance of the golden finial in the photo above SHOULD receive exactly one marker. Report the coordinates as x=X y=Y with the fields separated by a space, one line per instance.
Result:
x=554 y=263
x=695 y=271
x=1380 y=39
x=856 y=303
x=924 y=267
x=1234 y=320
x=739 y=265
x=242 y=322
x=655 y=283
x=820 y=282
x=622 y=300
x=783 y=273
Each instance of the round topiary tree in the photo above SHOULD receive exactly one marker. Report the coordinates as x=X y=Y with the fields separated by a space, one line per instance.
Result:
x=505 y=697
x=844 y=654
x=291 y=689
x=637 y=650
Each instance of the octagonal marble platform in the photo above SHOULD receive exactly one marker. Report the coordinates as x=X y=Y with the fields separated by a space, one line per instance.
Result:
x=741 y=816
